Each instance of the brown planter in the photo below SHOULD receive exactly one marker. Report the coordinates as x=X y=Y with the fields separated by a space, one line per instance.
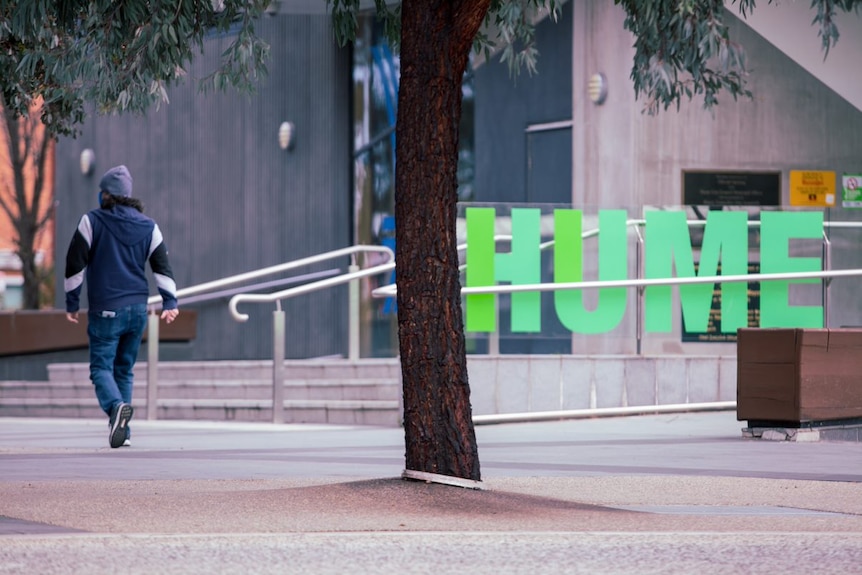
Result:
x=24 y=332
x=799 y=376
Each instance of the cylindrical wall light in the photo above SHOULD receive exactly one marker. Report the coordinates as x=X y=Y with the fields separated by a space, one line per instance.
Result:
x=598 y=89
x=88 y=160
x=286 y=135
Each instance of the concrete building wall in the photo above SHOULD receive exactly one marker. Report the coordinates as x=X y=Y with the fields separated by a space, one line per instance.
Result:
x=624 y=158
x=628 y=158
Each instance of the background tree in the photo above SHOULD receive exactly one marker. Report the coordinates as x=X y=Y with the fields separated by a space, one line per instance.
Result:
x=24 y=199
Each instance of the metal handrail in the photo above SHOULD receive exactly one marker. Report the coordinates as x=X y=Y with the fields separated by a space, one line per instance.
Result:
x=226 y=293
x=826 y=275
x=154 y=301
x=314 y=286
x=646 y=282
x=278 y=318
x=239 y=278
x=751 y=224
x=391 y=290
x=641 y=283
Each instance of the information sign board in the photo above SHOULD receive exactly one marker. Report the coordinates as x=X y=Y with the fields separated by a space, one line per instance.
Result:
x=725 y=188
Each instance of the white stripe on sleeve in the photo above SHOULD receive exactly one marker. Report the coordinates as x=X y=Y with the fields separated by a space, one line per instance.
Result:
x=157 y=239
x=74 y=282
x=166 y=284
x=86 y=229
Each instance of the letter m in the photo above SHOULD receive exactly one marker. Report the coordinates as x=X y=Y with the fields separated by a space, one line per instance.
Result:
x=668 y=243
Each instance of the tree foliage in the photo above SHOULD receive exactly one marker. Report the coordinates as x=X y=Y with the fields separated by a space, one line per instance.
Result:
x=118 y=56
x=508 y=25
x=683 y=48
x=123 y=56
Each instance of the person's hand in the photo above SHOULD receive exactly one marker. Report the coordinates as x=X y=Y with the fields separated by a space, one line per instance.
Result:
x=170 y=315
x=72 y=316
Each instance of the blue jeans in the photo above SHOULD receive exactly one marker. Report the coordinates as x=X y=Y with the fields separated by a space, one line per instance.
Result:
x=115 y=337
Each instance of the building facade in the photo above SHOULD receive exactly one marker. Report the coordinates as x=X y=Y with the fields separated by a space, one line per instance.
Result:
x=230 y=200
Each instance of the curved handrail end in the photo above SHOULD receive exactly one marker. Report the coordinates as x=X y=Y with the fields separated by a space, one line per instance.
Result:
x=241 y=317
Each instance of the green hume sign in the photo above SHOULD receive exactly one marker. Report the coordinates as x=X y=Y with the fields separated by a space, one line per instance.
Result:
x=667 y=247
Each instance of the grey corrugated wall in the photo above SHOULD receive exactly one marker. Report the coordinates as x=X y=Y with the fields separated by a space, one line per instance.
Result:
x=209 y=170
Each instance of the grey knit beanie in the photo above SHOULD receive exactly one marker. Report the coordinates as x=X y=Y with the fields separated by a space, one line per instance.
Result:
x=117 y=181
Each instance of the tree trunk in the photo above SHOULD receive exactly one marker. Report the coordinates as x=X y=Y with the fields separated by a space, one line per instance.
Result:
x=32 y=286
x=436 y=36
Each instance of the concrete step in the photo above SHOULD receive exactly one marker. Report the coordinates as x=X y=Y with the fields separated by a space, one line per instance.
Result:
x=323 y=389
x=75 y=408
x=44 y=390
x=253 y=370
x=315 y=391
x=342 y=412
x=359 y=389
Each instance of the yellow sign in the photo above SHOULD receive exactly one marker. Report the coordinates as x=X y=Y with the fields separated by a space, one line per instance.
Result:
x=808 y=188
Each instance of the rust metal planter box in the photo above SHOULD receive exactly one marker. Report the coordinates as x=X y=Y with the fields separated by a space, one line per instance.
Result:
x=798 y=377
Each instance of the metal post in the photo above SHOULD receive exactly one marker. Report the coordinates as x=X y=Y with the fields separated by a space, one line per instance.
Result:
x=353 y=316
x=494 y=336
x=152 y=365
x=278 y=365
x=639 y=291
x=827 y=265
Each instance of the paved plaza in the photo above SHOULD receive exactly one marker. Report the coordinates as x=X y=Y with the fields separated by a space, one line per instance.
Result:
x=678 y=493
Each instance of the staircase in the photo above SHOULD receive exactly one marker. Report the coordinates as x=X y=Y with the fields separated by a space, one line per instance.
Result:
x=334 y=391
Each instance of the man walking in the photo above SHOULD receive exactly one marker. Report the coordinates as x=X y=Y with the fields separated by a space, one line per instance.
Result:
x=111 y=247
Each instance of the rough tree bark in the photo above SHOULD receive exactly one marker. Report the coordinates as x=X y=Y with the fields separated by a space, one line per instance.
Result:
x=436 y=38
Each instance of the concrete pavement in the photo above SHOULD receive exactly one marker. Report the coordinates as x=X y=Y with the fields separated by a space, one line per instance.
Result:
x=675 y=493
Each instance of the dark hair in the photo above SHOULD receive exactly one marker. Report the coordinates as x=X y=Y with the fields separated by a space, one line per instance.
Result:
x=111 y=200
